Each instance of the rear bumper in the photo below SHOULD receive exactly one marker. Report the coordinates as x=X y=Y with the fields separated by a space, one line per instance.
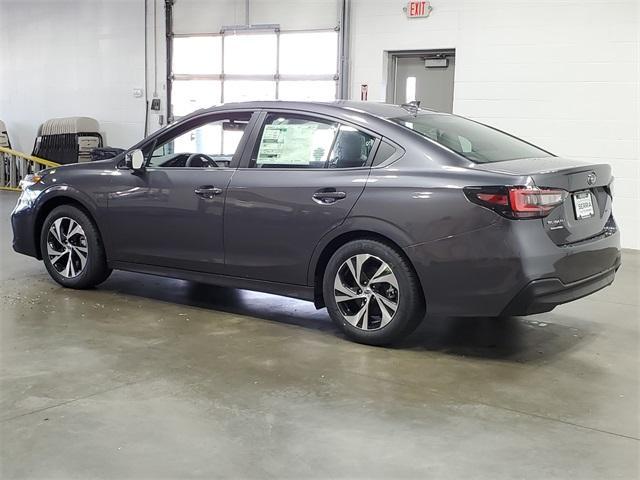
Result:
x=544 y=295
x=510 y=268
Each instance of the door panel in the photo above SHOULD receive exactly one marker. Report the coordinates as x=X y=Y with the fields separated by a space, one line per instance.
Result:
x=157 y=218
x=171 y=213
x=273 y=223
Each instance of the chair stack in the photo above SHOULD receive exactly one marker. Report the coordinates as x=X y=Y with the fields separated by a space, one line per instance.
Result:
x=6 y=165
x=4 y=136
x=67 y=140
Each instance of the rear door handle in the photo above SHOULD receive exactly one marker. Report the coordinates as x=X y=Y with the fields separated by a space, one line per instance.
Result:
x=207 y=191
x=328 y=196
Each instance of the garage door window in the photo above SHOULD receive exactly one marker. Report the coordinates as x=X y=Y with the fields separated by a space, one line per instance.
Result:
x=304 y=142
x=265 y=65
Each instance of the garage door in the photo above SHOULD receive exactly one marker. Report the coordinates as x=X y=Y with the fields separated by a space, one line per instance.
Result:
x=261 y=62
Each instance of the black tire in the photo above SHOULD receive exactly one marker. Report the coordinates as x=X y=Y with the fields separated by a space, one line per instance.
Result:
x=410 y=306
x=95 y=270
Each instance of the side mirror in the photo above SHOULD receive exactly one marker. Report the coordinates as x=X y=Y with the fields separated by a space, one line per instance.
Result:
x=134 y=160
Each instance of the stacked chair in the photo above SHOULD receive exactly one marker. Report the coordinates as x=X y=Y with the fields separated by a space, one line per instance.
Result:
x=67 y=140
x=5 y=159
x=4 y=136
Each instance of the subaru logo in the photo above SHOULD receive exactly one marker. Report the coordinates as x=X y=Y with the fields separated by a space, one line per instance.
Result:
x=591 y=178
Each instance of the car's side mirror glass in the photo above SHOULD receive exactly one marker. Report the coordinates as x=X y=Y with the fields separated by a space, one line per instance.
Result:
x=134 y=160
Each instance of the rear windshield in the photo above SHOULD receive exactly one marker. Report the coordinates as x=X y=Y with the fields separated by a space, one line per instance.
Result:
x=472 y=140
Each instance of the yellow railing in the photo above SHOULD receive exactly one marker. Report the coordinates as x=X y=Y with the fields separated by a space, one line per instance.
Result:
x=15 y=165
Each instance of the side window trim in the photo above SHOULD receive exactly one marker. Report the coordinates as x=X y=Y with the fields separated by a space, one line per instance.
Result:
x=252 y=139
x=245 y=162
x=245 y=142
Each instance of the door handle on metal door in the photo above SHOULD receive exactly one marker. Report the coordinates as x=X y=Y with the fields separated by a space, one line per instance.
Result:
x=328 y=196
x=207 y=191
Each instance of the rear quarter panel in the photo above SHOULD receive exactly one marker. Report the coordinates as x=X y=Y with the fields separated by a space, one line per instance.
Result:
x=421 y=197
x=454 y=245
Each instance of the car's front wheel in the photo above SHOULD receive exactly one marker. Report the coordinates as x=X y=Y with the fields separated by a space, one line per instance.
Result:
x=372 y=293
x=72 y=248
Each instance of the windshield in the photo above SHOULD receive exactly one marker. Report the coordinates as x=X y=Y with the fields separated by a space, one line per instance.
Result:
x=472 y=140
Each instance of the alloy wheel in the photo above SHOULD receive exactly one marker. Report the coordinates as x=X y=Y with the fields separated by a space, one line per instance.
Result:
x=366 y=292
x=67 y=247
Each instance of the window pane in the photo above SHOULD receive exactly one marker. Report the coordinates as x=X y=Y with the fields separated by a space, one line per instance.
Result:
x=190 y=95
x=197 y=55
x=206 y=139
x=313 y=53
x=244 y=90
x=230 y=141
x=207 y=146
x=294 y=143
x=309 y=90
x=250 y=54
x=476 y=142
x=410 y=90
x=351 y=150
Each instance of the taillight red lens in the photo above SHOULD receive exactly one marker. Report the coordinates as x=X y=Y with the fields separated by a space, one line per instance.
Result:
x=495 y=198
x=518 y=201
x=534 y=202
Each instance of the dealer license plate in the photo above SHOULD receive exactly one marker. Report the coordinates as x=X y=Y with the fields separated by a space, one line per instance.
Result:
x=583 y=205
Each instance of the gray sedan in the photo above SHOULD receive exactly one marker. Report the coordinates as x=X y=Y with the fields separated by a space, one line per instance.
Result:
x=378 y=212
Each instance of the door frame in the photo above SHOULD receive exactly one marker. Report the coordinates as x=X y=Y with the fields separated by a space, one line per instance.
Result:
x=392 y=65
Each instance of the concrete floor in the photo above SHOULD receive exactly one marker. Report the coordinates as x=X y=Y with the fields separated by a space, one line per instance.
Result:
x=147 y=377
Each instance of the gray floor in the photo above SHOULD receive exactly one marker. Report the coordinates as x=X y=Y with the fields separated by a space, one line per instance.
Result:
x=147 y=377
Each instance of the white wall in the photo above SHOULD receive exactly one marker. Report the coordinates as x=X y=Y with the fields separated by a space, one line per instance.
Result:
x=560 y=73
x=72 y=58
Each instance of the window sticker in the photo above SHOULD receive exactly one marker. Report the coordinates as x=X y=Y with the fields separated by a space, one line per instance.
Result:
x=295 y=144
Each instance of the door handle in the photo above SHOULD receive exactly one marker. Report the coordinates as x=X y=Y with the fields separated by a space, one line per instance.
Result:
x=207 y=191
x=328 y=196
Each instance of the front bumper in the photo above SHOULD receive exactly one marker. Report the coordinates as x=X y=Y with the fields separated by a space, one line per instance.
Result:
x=544 y=295
x=24 y=238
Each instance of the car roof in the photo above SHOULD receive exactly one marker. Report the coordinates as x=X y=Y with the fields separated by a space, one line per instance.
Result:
x=377 y=109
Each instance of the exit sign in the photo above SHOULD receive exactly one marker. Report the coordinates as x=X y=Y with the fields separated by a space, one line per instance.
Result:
x=418 y=9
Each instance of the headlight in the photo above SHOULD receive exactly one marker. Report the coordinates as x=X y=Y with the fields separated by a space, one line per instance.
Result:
x=29 y=180
x=27 y=197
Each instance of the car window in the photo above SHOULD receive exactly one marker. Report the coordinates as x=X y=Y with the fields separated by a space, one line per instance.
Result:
x=291 y=141
x=208 y=145
x=474 y=141
x=384 y=153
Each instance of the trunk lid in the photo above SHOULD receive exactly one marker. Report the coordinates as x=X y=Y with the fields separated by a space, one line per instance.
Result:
x=582 y=180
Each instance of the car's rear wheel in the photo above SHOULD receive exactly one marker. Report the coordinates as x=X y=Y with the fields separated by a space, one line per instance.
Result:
x=72 y=249
x=372 y=293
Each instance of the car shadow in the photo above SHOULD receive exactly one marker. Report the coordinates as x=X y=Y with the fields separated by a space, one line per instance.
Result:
x=515 y=339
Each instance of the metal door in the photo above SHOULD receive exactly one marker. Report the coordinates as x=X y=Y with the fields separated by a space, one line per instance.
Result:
x=427 y=78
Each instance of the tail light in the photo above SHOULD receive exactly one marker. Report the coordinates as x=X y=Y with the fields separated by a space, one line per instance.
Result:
x=517 y=202
x=609 y=188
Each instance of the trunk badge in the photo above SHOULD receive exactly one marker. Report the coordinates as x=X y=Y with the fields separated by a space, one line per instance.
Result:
x=591 y=178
